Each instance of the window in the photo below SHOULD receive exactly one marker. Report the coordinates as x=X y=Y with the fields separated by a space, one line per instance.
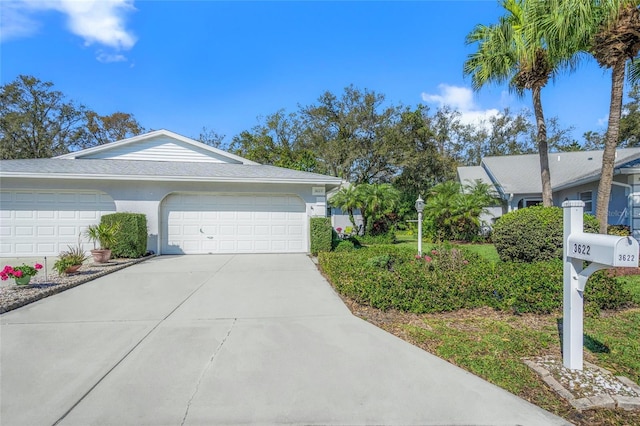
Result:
x=587 y=198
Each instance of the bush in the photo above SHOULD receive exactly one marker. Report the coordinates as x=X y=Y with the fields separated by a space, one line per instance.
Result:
x=387 y=238
x=131 y=237
x=533 y=234
x=619 y=230
x=321 y=234
x=446 y=279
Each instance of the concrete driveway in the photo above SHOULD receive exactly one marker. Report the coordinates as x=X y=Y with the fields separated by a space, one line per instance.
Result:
x=227 y=339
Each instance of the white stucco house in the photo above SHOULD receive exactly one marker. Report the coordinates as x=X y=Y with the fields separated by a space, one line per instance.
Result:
x=197 y=199
x=574 y=176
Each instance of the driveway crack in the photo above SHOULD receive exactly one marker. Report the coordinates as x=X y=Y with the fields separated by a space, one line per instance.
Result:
x=205 y=370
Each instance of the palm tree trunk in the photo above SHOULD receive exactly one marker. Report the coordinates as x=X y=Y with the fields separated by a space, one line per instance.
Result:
x=611 y=141
x=543 y=148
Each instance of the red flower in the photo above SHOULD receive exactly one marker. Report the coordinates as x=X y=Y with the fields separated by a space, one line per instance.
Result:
x=434 y=252
x=18 y=274
x=418 y=256
x=339 y=229
x=37 y=266
x=427 y=259
x=3 y=276
x=466 y=262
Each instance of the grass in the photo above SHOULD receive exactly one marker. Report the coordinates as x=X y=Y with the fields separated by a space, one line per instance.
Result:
x=488 y=251
x=492 y=346
x=631 y=283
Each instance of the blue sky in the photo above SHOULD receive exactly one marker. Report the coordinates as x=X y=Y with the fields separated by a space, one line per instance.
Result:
x=182 y=65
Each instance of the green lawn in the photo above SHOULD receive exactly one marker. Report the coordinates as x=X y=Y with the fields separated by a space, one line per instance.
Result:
x=488 y=251
x=632 y=284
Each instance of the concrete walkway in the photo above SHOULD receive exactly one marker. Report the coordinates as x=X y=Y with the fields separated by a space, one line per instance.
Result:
x=227 y=339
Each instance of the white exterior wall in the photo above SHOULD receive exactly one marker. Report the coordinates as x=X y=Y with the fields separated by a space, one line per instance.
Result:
x=161 y=148
x=146 y=197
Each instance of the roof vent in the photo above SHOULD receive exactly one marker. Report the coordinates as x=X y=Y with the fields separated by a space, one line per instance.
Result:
x=590 y=158
x=558 y=158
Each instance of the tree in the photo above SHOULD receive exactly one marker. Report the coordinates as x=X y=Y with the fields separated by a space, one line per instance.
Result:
x=350 y=135
x=347 y=199
x=102 y=129
x=610 y=32
x=276 y=142
x=630 y=121
x=512 y=50
x=211 y=137
x=378 y=201
x=453 y=210
x=37 y=121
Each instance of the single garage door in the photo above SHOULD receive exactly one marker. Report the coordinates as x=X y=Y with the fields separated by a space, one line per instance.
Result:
x=44 y=223
x=233 y=223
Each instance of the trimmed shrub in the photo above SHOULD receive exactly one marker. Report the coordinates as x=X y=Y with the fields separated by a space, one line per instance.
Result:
x=533 y=234
x=321 y=234
x=388 y=237
x=446 y=279
x=131 y=238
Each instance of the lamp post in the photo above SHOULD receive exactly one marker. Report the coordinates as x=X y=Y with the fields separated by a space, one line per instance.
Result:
x=419 y=208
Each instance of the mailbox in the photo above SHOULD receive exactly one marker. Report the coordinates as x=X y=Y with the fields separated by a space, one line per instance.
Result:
x=603 y=249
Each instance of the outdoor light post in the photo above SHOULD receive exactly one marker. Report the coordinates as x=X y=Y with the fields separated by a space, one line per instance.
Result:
x=420 y=208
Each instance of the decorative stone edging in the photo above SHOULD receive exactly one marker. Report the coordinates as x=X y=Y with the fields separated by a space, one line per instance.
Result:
x=593 y=387
x=13 y=297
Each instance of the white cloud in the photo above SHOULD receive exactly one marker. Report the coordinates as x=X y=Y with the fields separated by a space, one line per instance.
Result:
x=461 y=99
x=100 y=22
x=604 y=121
x=110 y=57
x=16 y=22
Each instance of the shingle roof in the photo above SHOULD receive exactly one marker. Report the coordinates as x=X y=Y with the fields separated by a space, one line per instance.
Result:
x=520 y=174
x=157 y=170
x=471 y=174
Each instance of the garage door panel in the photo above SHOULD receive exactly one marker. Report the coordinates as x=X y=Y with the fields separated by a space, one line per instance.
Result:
x=239 y=223
x=42 y=223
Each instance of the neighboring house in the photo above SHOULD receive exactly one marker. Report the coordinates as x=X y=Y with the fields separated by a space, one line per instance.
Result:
x=197 y=199
x=574 y=176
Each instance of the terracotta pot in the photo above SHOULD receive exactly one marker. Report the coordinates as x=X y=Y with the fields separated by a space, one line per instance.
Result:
x=72 y=269
x=101 y=256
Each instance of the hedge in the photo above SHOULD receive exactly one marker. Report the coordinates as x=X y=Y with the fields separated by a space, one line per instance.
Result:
x=321 y=234
x=131 y=239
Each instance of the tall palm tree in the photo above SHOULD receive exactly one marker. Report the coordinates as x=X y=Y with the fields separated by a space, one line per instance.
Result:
x=512 y=51
x=609 y=30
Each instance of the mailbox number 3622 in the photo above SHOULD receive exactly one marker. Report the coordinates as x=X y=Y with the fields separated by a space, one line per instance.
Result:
x=582 y=249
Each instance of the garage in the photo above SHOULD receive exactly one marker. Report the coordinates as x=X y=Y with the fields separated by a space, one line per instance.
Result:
x=196 y=223
x=43 y=223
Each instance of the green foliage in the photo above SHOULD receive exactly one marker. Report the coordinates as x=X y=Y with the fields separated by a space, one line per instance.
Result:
x=321 y=234
x=619 y=230
x=533 y=234
x=452 y=212
x=448 y=278
x=131 y=235
x=387 y=238
x=104 y=233
x=75 y=255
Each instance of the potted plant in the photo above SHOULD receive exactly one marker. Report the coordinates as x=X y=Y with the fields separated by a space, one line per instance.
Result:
x=21 y=274
x=70 y=261
x=105 y=235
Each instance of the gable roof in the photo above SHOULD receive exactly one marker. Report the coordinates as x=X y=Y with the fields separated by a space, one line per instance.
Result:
x=520 y=174
x=159 y=145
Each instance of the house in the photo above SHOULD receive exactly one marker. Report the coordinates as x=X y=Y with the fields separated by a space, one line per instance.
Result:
x=574 y=176
x=197 y=199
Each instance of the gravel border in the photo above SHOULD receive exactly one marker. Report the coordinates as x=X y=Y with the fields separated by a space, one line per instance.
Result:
x=592 y=387
x=14 y=296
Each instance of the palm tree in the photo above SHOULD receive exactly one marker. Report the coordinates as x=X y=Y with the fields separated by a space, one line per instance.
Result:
x=609 y=30
x=512 y=51
x=378 y=200
x=347 y=199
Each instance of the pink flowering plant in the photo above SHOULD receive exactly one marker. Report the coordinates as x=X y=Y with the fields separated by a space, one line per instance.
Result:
x=19 y=271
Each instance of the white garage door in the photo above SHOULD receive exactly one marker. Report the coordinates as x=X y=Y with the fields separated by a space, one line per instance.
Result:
x=233 y=223
x=44 y=223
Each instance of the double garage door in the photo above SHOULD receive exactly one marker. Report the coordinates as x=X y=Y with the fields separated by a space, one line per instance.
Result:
x=233 y=223
x=43 y=223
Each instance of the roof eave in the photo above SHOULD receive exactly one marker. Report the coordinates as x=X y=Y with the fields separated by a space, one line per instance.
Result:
x=74 y=176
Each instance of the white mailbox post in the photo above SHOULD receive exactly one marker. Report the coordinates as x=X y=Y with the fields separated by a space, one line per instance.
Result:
x=602 y=251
